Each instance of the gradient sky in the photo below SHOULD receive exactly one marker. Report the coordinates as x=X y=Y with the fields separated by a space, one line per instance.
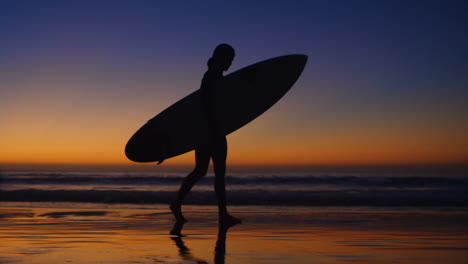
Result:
x=386 y=81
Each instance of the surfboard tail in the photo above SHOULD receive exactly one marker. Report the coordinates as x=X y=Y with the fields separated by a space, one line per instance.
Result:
x=156 y=148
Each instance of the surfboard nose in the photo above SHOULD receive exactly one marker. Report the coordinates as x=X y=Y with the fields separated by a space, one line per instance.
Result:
x=291 y=66
x=299 y=59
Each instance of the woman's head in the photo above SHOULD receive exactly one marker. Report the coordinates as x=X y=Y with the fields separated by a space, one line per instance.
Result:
x=222 y=57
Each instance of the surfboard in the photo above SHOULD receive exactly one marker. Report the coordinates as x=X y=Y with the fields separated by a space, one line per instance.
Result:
x=239 y=98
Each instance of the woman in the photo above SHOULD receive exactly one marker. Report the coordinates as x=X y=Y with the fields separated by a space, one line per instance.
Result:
x=216 y=147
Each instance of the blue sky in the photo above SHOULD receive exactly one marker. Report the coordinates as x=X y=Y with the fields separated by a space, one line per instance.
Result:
x=373 y=65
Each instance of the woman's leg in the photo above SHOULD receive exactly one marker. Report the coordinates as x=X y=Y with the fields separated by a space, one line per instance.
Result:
x=202 y=160
x=219 y=155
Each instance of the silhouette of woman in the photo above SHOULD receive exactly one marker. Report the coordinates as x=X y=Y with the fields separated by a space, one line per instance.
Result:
x=216 y=147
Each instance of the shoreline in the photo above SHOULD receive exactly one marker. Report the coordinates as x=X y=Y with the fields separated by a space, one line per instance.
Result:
x=410 y=198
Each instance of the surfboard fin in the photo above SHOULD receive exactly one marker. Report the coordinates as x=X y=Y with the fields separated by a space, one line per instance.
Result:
x=160 y=161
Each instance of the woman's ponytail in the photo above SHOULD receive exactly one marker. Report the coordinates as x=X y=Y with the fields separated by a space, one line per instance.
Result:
x=210 y=62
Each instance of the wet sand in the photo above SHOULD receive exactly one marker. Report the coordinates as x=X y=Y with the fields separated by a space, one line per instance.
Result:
x=93 y=233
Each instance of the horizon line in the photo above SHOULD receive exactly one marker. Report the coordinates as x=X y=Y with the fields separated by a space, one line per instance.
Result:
x=187 y=166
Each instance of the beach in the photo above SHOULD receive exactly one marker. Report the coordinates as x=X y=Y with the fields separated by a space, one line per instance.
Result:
x=128 y=233
x=335 y=130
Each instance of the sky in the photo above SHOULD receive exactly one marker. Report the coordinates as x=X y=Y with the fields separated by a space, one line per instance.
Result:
x=385 y=83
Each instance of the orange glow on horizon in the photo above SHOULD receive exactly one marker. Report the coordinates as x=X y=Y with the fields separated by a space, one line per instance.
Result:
x=296 y=153
x=48 y=129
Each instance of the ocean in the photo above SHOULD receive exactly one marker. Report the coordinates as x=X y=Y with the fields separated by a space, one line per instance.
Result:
x=288 y=216
x=283 y=188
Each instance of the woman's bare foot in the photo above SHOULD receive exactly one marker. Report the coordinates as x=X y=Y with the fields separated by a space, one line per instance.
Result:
x=229 y=220
x=177 y=212
x=177 y=228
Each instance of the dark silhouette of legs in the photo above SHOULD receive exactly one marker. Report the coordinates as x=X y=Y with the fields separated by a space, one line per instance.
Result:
x=216 y=150
x=202 y=159
x=219 y=156
x=219 y=165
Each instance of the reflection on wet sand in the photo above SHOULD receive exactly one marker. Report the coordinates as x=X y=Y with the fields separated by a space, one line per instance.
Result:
x=118 y=234
x=220 y=249
x=184 y=251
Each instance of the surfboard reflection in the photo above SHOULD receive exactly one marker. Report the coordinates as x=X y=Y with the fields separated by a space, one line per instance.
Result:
x=184 y=251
